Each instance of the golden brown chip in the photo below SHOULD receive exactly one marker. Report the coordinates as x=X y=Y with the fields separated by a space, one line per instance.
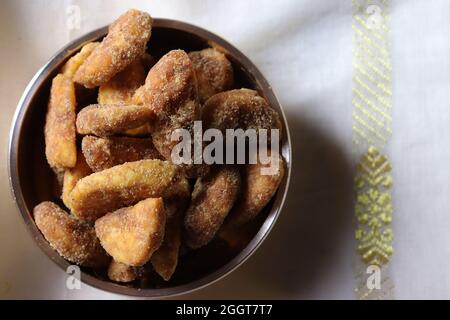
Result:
x=77 y=60
x=214 y=72
x=257 y=190
x=145 y=129
x=165 y=259
x=122 y=185
x=60 y=134
x=131 y=235
x=71 y=177
x=120 y=89
x=71 y=238
x=212 y=199
x=241 y=108
x=171 y=92
x=106 y=120
x=126 y=41
x=120 y=272
x=170 y=84
x=104 y=153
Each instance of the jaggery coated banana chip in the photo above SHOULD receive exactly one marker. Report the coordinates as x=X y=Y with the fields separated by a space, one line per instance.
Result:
x=212 y=198
x=170 y=84
x=77 y=60
x=71 y=238
x=122 y=185
x=138 y=99
x=121 y=272
x=71 y=177
x=131 y=235
x=106 y=120
x=120 y=89
x=257 y=190
x=104 y=153
x=240 y=108
x=171 y=92
x=165 y=259
x=214 y=72
x=126 y=41
x=147 y=62
x=60 y=133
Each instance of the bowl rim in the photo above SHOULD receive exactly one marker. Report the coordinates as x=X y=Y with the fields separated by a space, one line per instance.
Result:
x=111 y=287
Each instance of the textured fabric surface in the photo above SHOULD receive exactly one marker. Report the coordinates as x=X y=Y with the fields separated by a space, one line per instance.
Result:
x=304 y=48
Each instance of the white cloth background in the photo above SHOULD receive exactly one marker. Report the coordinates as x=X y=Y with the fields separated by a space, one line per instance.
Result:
x=304 y=49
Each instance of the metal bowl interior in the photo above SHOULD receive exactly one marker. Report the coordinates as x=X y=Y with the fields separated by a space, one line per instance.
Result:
x=32 y=181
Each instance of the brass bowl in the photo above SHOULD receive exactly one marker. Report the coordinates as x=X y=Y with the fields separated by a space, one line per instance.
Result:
x=31 y=179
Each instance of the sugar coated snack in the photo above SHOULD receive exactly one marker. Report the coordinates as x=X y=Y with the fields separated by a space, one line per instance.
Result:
x=121 y=185
x=170 y=84
x=104 y=153
x=121 y=88
x=60 y=134
x=131 y=235
x=106 y=120
x=257 y=190
x=165 y=259
x=71 y=238
x=77 y=60
x=240 y=108
x=214 y=72
x=126 y=40
x=171 y=93
x=212 y=198
x=71 y=177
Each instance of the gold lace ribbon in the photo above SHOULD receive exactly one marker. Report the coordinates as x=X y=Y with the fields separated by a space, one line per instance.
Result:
x=372 y=103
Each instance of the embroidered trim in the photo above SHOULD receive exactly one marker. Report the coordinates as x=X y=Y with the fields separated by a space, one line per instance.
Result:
x=372 y=129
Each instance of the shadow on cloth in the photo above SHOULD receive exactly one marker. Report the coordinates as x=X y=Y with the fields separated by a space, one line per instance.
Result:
x=314 y=225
